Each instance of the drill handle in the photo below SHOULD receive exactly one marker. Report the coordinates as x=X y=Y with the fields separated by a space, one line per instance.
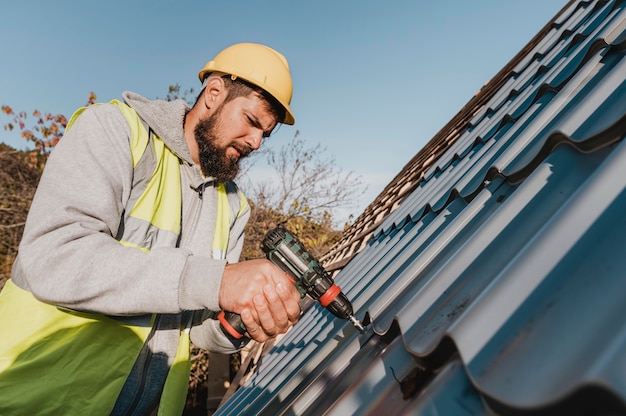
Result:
x=234 y=328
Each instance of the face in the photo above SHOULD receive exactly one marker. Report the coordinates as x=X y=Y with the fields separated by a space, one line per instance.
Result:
x=231 y=132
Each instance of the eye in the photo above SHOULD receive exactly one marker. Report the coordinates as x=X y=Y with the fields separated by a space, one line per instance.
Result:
x=254 y=122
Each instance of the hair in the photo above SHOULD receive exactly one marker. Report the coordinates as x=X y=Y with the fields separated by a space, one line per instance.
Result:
x=238 y=87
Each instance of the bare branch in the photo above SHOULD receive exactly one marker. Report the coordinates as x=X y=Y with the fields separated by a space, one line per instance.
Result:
x=305 y=183
x=6 y=227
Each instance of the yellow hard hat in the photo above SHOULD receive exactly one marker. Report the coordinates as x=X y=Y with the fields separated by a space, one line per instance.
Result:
x=259 y=65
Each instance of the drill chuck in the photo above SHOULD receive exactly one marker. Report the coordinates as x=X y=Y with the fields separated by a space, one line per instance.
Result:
x=341 y=307
x=337 y=303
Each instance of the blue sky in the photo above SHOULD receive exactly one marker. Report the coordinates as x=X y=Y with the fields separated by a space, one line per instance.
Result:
x=373 y=81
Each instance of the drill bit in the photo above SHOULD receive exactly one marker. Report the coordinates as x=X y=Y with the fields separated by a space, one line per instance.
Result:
x=357 y=324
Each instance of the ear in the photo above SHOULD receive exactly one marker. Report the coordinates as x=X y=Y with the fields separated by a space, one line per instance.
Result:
x=213 y=92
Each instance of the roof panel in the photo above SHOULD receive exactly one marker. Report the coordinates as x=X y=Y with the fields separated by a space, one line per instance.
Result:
x=496 y=286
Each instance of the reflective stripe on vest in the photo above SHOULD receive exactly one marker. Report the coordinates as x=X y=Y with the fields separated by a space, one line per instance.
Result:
x=84 y=359
x=154 y=217
x=222 y=225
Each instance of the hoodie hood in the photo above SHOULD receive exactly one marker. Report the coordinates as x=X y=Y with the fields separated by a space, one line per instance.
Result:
x=165 y=118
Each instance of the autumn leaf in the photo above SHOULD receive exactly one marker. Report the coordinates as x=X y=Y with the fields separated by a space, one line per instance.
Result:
x=32 y=160
x=91 y=99
x=60 y=118
x=28 y=135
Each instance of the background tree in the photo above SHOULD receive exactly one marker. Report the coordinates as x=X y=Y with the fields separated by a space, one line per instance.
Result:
x=46 y=131
x=303 y=190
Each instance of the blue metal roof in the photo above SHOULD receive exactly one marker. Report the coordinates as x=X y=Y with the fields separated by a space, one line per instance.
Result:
x=499 y=284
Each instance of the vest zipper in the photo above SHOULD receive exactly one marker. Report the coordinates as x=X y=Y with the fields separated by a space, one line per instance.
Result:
x=199 y=189
x=194 y=217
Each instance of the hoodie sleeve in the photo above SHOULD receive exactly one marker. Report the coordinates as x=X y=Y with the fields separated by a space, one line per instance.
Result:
x=69 y=256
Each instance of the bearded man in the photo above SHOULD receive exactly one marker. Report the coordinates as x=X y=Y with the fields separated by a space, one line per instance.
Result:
x=132 y=243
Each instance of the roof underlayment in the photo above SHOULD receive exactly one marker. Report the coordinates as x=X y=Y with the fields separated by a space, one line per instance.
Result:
x=498 y=284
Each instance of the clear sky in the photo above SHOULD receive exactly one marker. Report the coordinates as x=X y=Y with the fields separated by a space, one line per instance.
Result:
x=373 y=81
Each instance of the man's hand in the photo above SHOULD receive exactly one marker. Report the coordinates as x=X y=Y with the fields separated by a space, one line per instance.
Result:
x=263 y=295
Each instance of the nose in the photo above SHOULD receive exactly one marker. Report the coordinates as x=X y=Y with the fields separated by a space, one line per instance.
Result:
x=255 y=138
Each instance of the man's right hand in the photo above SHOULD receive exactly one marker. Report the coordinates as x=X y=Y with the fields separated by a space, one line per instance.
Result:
x=262 y=295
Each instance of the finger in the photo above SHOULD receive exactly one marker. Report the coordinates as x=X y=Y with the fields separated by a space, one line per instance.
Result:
x=252 y=327
x=276 y=309
x=266 y=320
x=290 y=303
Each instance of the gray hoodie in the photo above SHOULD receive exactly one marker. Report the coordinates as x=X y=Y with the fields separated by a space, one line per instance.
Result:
x=69 y=257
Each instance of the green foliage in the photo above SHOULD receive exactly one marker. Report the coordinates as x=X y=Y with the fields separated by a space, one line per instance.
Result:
x=317 y=235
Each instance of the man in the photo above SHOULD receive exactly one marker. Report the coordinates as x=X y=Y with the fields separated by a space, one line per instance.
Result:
x=131 y=247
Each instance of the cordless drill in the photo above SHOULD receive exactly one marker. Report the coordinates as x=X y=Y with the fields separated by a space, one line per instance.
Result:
x=285 y=251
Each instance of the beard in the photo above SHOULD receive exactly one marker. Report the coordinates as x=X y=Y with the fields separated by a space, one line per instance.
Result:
x=213 y=159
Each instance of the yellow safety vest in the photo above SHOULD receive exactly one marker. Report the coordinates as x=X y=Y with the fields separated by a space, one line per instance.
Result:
x=82 y=360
